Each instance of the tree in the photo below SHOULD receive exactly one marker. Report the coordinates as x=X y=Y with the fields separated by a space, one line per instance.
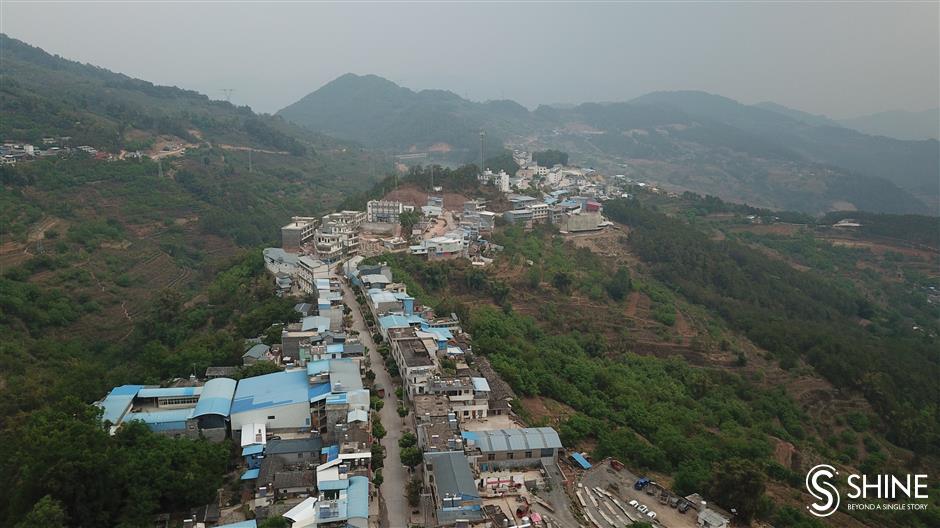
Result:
x=275 y=522
x=408 y=439
x=562 y=280
x=619 y=284
x=258 y=369
x=408 y=219
x=47 y=513
x=502 y=162
x=411 y=456
x=378 y=430
x=377 y=478
x=550 y=157
x=737 y=484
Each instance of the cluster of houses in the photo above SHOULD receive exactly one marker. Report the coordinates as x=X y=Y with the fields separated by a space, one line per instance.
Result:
x=16 y=152
x=474 y=452
x=305 y=431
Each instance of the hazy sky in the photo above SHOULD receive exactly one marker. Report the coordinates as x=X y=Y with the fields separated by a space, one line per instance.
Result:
x=837 y=59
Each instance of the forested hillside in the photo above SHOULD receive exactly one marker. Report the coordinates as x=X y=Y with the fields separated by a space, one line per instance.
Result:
x=125 y=268
x=722 y=360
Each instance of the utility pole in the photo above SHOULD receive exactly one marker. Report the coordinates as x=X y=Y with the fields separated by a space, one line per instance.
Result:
x=249 y=159
x=160 y=166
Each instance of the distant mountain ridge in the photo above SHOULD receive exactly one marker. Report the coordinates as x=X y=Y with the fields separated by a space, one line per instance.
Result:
x=900 y=124
x=766 y=154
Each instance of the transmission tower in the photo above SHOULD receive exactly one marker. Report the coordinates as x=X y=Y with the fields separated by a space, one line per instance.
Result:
x=228 y=94
x=482 y=158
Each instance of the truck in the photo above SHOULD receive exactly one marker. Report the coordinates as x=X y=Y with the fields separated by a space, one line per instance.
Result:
x=641 y=483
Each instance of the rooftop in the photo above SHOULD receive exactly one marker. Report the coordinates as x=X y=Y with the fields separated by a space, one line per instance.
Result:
x=514 y=439
x=271 y=390
x=452 y=474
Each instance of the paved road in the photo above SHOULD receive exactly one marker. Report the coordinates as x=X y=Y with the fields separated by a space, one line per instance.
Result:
x=395 y=514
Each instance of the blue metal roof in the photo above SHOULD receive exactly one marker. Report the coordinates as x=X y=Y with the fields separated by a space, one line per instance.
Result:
x=400 y=321
x=216 y=397
x=169 y=392
x=317 y=367
x=243 y=524
x=118 y=402
x=271 y=390
x=480 y=384
x=443 y=334
x=357 y=497
x=579 y=458
x=332 y=485
x=318 y=392
x=251 y=474
x=335 y=348
x=253 y=449
x=257 y=351
x=331 y=452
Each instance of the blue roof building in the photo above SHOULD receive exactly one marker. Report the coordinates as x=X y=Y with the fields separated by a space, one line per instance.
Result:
x=280 y=401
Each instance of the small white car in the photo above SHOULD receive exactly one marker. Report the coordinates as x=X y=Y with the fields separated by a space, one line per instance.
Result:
x=634 y=503
x=642 y=508
x=651 y=514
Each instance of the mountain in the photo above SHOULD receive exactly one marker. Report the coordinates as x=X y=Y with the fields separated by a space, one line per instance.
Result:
x=899 y=124
x=379 y=113
x=799 y=115
x=90 y=242
x=765 y=154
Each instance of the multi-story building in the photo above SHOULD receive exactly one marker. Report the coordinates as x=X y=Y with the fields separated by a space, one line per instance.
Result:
x=468 y=398
x=415 y=357
x=338 y=235
x=299 y=231
x=385 y=211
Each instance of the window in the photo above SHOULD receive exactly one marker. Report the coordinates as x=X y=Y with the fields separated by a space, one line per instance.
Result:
x=510 y=455
x=491 y=456
x=300 y=455
x=548 y=452
x=528 y=454
x=271 y=417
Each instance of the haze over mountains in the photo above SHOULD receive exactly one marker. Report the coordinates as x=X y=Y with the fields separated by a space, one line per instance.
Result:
x=764 y=154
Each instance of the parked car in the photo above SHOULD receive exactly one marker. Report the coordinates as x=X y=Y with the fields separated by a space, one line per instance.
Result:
x=641 y=483
x=642 y=508
x=634 y=503
x=684 y=506
x=674 y=502
x=651 y=514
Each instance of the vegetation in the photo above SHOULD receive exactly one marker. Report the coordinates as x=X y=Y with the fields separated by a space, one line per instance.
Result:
x=550 y=158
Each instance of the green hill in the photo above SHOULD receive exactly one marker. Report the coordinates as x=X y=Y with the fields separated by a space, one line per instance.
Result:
x=762 y=154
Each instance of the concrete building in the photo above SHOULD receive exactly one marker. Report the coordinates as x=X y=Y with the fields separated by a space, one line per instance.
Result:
x=468 y=398
x=174 y=411
x=280 y=401
x=299 y=231
x=338 y=235
x=440 y=248
x=415 y=357
x=453 y=490
x=309 y=270
x=385 y=211
x=503 y=448
x=519 y=216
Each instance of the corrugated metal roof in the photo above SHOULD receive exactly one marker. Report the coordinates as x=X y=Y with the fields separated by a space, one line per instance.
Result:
x=118 y=402
x=579 y=458
x=515 y=439
x=243 y=524
x=357 y=497
x=168 y=392
x=452 y=474
x=315 y=322
x=216 y=397
x=258 y=351
x=252 y=449
x=251 y=474
x=271 y=390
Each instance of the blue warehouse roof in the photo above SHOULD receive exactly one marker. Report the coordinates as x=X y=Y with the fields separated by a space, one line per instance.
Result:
x=253 y=449
x=118 y=402
x=357 y=496
x=579 y=458
x=216 y=397
x=242 y=524
x=169 y=392
x=271 y=390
